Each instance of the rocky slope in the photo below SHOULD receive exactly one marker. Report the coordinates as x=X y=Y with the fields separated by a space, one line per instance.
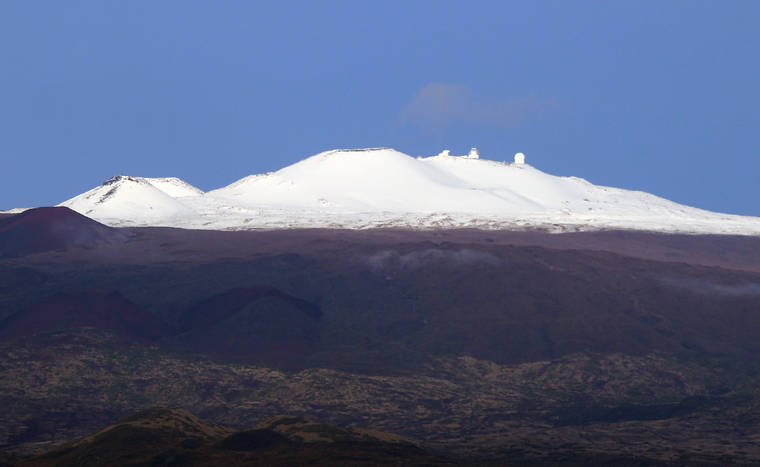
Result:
x=176 y=437
x=496 y=345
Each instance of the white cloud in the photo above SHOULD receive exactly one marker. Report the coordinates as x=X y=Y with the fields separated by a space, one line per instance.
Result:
x=438 y=105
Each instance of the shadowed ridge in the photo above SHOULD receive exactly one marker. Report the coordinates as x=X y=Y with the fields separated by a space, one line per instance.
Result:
x=211 y=310
x=52 y=228
x=147 y=437
x=252 y=324
x=90 y=308
x=176 y=422
x=176 y=437
x=304 y=430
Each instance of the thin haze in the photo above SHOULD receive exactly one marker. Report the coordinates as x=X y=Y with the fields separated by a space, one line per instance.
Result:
x=655 y=96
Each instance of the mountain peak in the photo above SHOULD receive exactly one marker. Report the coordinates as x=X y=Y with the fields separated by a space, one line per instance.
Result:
x=383 y=187
x=378 y=149
x=52 y=228
x=122 y=178
x=172 y=186
x=127 y=200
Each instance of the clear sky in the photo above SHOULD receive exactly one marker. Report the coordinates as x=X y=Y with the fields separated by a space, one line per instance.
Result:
x=660 y=96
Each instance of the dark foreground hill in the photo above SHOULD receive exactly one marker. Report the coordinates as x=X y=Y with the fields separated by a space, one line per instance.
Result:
x=176 y=437
x=52 y=228
x=496 y=345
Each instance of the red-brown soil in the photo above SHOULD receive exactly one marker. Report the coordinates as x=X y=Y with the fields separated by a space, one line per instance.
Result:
x=89 y=308
x=52 y=228
x=576 y=339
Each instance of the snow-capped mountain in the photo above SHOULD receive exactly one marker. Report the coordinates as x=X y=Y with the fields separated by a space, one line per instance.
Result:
x=138 y=200
x=386 y=188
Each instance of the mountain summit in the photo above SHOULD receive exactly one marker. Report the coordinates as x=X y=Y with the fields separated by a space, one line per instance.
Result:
x=382 y=187
x=139 y=200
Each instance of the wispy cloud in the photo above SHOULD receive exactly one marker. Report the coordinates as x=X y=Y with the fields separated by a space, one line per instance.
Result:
x=706 y=287
x=393 y=259
x=439 y=105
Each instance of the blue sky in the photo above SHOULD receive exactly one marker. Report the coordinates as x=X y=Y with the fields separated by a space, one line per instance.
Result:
x=649 y=95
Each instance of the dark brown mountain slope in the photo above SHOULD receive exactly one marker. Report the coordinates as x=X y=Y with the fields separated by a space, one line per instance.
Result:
x=251 y=323
x=52 y=228
x=479 y=343
x=88 y=308
x=392 y=307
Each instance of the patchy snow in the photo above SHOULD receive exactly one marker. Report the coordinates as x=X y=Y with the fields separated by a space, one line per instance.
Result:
x=381 y=187
x=14 y=211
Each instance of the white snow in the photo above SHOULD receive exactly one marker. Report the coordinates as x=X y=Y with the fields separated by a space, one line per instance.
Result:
x=385 y=188
x=174 y=187
x=14 y=210
x=125 y=200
